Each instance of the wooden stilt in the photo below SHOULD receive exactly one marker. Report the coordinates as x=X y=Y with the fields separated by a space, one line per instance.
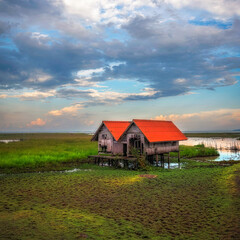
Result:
x=179 y=159
x=157 y=160
x=168 y=160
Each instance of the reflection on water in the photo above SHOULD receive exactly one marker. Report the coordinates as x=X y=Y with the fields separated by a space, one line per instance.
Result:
x=8 y=141
x=228 y=148
x=228 y=155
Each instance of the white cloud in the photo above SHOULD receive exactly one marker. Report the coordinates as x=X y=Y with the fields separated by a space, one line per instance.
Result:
x=30 y=95
x=86 y=82
x=35 y=95
x=37 y=122
x=71 y=110
x=106 y=11
x=89 y=72
x=118 y=96
x=180 y=80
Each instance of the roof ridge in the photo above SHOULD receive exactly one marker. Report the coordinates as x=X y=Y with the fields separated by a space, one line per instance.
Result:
x=115 y=121
x=152 y=120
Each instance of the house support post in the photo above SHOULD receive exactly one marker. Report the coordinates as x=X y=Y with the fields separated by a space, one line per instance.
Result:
x=168 y=160
x=179 y=159
x=162 y=160
x=157 y=160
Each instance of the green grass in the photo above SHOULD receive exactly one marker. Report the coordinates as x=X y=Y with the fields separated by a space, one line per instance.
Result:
x=201 y=202
x=196 y=151
x=219 y=135
x=42 y=150
x=46 y=151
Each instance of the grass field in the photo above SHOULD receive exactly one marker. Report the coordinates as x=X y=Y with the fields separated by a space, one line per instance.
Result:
x=41 y=152
x=200 y=202
x=44 y=150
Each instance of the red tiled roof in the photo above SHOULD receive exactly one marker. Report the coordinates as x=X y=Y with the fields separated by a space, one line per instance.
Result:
x=158 y=131
x=116 y=127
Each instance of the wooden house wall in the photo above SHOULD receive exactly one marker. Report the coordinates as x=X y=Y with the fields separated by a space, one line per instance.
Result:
x=162 y=147
x=108 y=142
x=133 y=132
x=117 y=148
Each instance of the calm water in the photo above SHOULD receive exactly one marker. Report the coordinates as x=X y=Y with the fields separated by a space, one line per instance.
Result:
x=228 y=148
x=8 y=141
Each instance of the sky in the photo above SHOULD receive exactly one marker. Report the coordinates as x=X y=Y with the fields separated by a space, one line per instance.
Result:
x=66 y=65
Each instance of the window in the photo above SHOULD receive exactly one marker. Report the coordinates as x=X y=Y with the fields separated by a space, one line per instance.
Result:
x=104 y=136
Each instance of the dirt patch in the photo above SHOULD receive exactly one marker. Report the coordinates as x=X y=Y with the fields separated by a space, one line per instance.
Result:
x=148 y=175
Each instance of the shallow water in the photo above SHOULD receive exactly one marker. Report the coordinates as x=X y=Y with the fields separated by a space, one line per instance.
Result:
x=11 y=140
x=224 y=146
x=60 y=171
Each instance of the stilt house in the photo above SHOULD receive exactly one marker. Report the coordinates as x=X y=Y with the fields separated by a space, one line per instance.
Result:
x=150 y=137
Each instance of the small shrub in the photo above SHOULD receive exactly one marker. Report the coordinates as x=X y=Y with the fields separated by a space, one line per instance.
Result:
x=141 y=159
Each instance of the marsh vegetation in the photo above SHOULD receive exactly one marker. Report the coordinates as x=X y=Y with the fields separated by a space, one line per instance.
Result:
x=199 y=201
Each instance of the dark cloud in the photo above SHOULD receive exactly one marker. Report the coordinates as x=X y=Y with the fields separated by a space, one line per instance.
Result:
x=73 y=93
x=173 y=57
x=26 y=8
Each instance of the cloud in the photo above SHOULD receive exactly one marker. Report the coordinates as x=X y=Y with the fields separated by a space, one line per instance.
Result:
x=89 y=72
x=85 y=45
x=226 y=8
x=37 y=122
x=35 y=95
x=3 y=95
x=85 y=82
x=72 y=110
x=221 y=119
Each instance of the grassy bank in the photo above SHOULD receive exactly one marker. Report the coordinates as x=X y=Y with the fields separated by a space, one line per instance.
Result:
x=196 y=151
x=193 y=203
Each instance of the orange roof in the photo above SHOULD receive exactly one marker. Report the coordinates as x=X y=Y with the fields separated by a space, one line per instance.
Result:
x=116 y=128
x=158 y=131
